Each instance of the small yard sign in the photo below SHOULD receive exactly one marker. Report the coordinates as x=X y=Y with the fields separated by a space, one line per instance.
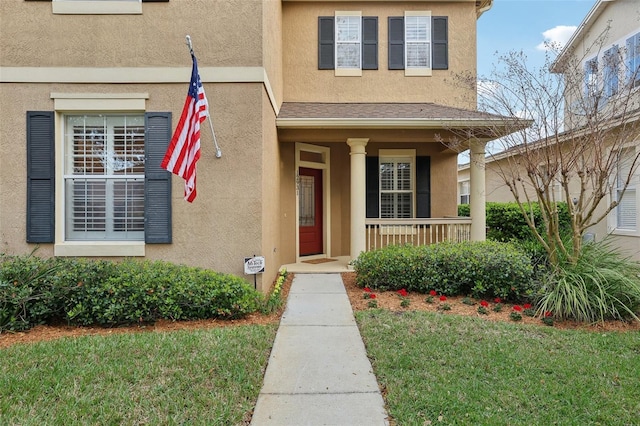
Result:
x=254 y=265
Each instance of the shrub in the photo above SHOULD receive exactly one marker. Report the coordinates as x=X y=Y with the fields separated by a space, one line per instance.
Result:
x=27 y=296
x=480 y=269
x=505 y=221
x=84 y=292
x=601 y=285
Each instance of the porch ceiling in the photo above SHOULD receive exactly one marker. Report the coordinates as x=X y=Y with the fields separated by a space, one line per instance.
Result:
x=415 y=122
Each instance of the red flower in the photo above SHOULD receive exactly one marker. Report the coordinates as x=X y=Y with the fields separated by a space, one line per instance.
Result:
x=433 y=293
x=527 y=306
x=443 y=298
x=498 y=300
x=372 y=296
x=484 y=303
x=517 y=308
x=548 y=314
x=402 y=292
x=367 y=290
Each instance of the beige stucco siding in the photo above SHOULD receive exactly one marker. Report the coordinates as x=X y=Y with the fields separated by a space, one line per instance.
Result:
x=304 y=82
x=221 y=226
x=224 y=33
x=270 y=195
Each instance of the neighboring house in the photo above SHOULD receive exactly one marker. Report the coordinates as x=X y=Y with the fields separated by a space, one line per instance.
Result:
x=328 y=115
x=607 y=47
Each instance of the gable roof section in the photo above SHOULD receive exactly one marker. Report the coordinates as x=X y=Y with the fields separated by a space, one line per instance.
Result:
x=382 y=116
x=579 y=33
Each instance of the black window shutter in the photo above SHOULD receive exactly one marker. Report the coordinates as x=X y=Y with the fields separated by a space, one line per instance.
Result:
x=440 y=40
x=372 y=182
x=423 y=187
x=396 y=42
x=40 y=177
x=325 y=43
x=369 y=42
x=157 y=181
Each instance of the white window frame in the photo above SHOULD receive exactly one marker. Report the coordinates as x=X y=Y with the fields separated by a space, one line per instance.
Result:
x=591 y=80
x=354 y=18
x=425 y=42
x=88 y=103
x=419 y=19
x=397 y=156
x=92 y=160
x=97 y=7
x=464 y=190
x=630 y=195
x=632 y=59
x=611 y=71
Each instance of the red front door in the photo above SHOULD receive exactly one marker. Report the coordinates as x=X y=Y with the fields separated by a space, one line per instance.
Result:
x=310 y=211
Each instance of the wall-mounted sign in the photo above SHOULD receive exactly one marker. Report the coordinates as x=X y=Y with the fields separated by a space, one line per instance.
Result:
x=254 y=265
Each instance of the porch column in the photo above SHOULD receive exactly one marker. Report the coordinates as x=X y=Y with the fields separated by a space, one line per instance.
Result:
x=477 y=202
x=358 y=195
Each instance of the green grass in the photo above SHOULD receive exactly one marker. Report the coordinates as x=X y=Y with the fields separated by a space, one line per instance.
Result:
x=453 y=370
x=210 y=377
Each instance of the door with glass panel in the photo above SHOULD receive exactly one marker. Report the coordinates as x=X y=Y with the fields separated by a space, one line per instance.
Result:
x=310 y=211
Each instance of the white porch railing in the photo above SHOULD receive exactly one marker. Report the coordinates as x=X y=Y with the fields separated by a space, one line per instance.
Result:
x=384 y=232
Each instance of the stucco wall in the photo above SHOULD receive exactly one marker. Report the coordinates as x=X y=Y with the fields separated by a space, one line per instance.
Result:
x=221 y=226
x=270 y=196
x=304 y=82
x=224 y=33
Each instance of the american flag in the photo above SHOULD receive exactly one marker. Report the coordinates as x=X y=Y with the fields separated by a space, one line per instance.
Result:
x=184 y=149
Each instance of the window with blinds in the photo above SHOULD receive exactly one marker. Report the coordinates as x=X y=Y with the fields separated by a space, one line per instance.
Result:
x=104 y=177
x=396 y=188
x=633 y=60
x=464 y=189
x=626 y=211
x=348 y=34
x=417 y=41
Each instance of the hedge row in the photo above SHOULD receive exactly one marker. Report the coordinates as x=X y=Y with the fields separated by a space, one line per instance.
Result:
x=505 y=221
x=479 y=269
x=88 y=292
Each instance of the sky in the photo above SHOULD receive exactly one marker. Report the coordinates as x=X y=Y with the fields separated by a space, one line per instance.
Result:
x=524 y=25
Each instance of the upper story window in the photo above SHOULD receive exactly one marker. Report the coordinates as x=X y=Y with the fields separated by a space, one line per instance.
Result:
x=611 y=71
x=99 y=7
x=633 y=60
x=417 y=36
x=418 y=43
x=348 y=43
x=591 y=78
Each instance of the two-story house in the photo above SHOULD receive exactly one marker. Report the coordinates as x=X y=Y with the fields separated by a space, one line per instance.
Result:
x=329 y=116
x=601 y=68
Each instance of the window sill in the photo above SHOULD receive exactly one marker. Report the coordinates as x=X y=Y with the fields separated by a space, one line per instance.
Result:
x=625 y=233
x=417 y=72
x=348 y=72
x=92 y=7
x=99 y=248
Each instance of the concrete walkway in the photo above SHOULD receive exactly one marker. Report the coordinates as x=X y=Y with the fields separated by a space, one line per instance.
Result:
x=318 y=371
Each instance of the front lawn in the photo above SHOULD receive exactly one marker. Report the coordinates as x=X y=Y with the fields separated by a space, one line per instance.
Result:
x=453 y=370
x=199 y=377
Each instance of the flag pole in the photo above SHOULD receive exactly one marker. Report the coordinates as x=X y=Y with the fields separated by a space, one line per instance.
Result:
x=215 y=142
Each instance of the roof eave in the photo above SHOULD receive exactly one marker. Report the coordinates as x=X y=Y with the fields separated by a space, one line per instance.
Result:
x=377 y=123
x=596 y=10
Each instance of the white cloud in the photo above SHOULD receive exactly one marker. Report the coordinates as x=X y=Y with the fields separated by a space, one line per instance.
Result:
x=557 y=36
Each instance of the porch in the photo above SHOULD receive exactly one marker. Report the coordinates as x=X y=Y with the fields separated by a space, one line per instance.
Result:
x=381 y=233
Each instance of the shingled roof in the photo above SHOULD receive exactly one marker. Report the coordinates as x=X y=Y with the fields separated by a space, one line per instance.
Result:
x=305 y=114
